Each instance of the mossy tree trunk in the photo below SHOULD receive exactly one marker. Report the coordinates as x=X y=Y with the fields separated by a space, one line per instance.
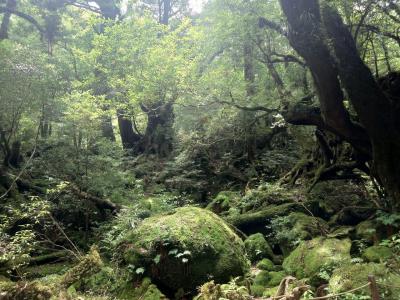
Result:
x=311 y=27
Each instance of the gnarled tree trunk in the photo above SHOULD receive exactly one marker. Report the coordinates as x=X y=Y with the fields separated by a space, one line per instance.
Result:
x=159 y=131
x=378 y=136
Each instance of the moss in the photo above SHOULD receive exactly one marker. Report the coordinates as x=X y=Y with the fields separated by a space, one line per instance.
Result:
x=262 y=278
x=257 y=247
x=370 y=231
x=307 y=226
x=145 y=291
x=275 y=278
x=354 y=275
x=90 y=264
x=310 y=256
x=26 y=290
x=45 y=270
x=224 y=201
x=270 y=292
x=341 y=232
x=377 y=254
x=231 y=291
x=257 y=290
x=183 y=249
x=256 y=221
x=266 y=265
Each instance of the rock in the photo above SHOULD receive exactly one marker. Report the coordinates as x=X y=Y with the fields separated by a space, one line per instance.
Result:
x=253 y=222
x=185 y=249
x=351 y=276
x=224 y=202
x=257 y=290
x=307 y=226
x=145 y=291
x=377 y=254
x=257 y=247
x=341 y=232
x=231 y=291
x=262 y=278
x=266 y=265
x=310 y=256
x=328 y=198
x=370 y=231
x=275 y=278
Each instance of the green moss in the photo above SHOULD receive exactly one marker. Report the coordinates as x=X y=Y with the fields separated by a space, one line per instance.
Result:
x=370 y=231
x=377 y=254
x=262 y=278
x=275 y=278
x=257 y=290
x=90 y=264
x=224 y=201
x=266 y=265
x=231 y=291
x=354 y=275
x=145 y=291
x=307 y=226
x=45 y=270
x=183 y=249
x=310 y=256
x=257 y=247
x=270 y=292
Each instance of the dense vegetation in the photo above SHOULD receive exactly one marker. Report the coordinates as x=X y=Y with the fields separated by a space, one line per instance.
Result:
x=245 y=150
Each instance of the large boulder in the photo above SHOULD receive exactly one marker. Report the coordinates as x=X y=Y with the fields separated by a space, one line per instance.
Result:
x=310 y=256
x=184 y=249
x=351 y=276
x=258 y=248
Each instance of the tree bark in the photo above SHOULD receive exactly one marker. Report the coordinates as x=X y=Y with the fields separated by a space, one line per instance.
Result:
x=159 y=132
x=380 y=131
x=10 y=6
x=129 y=138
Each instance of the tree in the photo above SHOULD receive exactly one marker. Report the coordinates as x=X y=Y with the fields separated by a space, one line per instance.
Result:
x=314 y=26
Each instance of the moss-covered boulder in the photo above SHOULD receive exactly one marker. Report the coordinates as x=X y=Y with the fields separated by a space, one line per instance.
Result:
x=310 y=256
x=257 y=247
x=370 y=231
x=275 y=278
x=266 y=265
x=377 y=254
x=184 y=249
x=351 y=276
x=224 y=202
x=146 y=290
x=307 y=226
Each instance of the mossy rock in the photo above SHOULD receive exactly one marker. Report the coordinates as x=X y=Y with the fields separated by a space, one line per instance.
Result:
x=351 y=276
x=266 y=265
x=310 y=256
x=224 y=202
x=24 y=290
x=307 y=226
x=262 y=278
x=45 y=270
x=185 y=248
x=370 y=231
x=258 y=248
x=275 y=278
x=270 y=292
x=377 y=254
x=145 y=291
x=341 y=232
x=257 y=290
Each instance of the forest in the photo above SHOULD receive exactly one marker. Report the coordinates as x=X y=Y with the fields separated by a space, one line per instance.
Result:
x=199 y=149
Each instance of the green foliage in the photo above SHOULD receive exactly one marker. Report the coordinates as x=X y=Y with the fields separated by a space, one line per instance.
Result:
x=257 y=247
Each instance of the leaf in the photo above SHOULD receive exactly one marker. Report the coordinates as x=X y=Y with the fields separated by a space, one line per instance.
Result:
x=185 y=260
x=187 y=252
x=173 y=252
x=139 y=270
x=157 y=258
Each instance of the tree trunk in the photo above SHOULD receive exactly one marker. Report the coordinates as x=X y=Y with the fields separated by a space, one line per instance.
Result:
x=379 y=135
x=159 y=132
x=129 y=138
x=248 y=116
x=11 y=5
